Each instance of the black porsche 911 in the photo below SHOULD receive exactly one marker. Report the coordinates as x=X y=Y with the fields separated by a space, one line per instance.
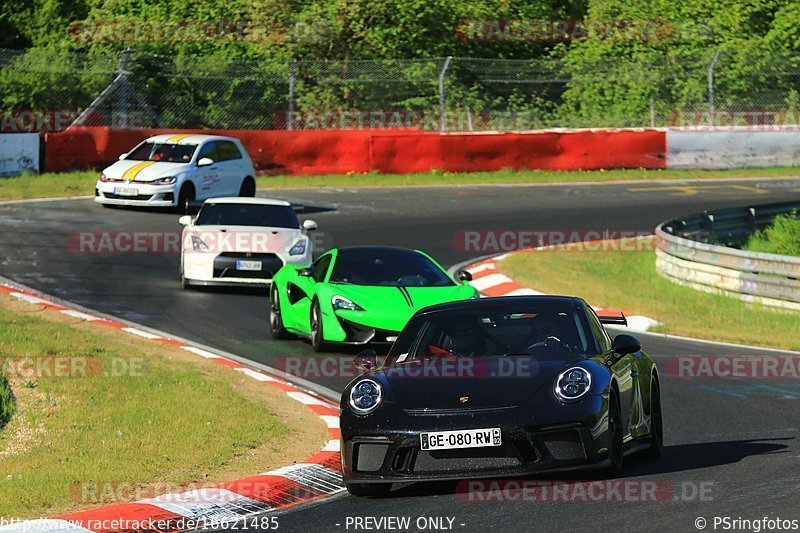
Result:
x=499 y=387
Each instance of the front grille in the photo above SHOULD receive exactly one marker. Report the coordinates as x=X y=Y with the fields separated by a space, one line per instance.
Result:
x=363 y=334
x=113 y=196
x=453 y=411
x=564 y=445
x=225 y=265
x=469 y=459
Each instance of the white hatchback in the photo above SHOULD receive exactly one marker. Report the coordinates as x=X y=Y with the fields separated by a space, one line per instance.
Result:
x=242 y=241
x=178 y=170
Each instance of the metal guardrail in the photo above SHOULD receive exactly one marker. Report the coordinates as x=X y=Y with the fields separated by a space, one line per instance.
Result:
x=696 y=251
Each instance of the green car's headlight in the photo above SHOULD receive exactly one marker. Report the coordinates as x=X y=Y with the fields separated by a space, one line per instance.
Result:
x=340 y=302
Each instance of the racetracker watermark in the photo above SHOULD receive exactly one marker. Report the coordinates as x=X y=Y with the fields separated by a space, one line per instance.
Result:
x=361 y=119
x=734 y=366
x=41 y=120
x=436 y=365
x=564 y=30
x=197 y=31
x=601 y=491
x=70 y=367
x=169 y=242
x=606 y=240
x=756 y=119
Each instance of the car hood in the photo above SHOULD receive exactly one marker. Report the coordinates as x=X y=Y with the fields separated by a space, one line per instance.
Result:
x=144 y=170
x=390 y=307
x=255 y=239
x=440 y=383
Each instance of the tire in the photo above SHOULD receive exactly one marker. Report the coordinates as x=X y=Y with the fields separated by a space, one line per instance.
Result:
x=368 y=489
x=248 y=188
x=656 y=422
x=317 y=337
x=275 y=318
x=616 y=450
x=185 y=198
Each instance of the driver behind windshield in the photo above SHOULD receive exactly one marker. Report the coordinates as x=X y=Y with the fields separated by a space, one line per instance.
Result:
x=549 y=331
x=461 y=338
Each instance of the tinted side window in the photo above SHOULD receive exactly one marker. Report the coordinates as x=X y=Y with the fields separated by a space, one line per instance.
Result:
x=209 y=150
x=227 y=151
x=599 y=331
x=321 y=267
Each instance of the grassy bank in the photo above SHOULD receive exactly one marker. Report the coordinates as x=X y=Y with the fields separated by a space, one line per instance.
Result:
x=781 y=237
x=628 y=281
x=103 y=417
x=82 y=183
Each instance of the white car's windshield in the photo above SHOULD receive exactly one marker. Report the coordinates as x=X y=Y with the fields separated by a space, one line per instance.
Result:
x=274 y=216
x=166 y=153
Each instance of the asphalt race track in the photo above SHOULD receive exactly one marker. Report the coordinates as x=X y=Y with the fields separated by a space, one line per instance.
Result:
x=732 y=447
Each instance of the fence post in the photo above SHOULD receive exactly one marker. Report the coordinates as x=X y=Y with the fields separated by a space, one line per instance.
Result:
x=290 y=117
x=652 y=112
x=441 y=92
x=711 y=88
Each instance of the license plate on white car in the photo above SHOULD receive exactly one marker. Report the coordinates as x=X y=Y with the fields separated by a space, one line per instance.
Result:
x=126 y=191
x=248 y=265
x=465 y=438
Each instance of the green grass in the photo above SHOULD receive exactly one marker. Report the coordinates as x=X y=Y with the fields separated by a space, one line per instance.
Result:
x=148 y=418
x=781 y=237
x=628 y=281
x=7 y=403
x=82 y=183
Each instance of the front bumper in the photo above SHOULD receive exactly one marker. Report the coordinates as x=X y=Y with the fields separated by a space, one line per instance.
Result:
x=376 y=452
x=210 y=269
x=149 y=195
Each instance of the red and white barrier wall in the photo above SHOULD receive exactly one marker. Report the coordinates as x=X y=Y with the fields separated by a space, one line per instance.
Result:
x=401 y=151
x=386 y=151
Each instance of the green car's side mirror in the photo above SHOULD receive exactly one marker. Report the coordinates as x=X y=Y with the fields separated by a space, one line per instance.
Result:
x=307 y=272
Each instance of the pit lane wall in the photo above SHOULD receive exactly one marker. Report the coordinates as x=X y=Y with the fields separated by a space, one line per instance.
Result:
x=386 y=151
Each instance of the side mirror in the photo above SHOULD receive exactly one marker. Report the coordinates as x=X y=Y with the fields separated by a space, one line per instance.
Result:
x=309 y=225
x=123 y=156
x=205 y=161
x=185 y=220
x=307 y=272
x=625 y=344
x=366 y=360
x=464 y=275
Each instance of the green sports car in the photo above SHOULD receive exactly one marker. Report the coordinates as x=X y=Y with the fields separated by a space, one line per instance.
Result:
x=359 y=295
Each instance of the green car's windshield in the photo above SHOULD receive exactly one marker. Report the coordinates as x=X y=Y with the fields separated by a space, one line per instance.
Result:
x=387 y=267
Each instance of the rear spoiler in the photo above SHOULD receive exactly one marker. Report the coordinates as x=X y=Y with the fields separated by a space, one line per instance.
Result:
x=616 y=318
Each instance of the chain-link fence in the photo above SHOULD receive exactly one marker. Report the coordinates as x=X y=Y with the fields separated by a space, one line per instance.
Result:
x=141 y=89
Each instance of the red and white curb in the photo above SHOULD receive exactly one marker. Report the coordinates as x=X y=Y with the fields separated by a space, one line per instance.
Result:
x=488 y=279
x=316 y=478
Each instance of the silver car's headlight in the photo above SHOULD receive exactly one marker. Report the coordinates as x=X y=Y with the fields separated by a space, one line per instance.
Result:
x=573 y=383
x=365 y=396
x=299 y=247
x=340 y=302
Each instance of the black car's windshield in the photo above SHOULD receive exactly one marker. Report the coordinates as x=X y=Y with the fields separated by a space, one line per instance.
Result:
x=551 y=328
x=276 y=216
x=387 y=267
x=165 y=153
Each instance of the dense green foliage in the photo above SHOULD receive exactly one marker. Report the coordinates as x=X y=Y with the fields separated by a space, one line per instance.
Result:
x=781 y=237
x=597 y=78
x=7 y=403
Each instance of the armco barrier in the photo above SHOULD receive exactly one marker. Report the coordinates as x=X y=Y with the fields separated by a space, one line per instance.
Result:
x=688 y=252
x=387 y=151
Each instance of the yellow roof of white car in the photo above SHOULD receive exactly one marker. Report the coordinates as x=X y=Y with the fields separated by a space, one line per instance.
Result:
x=246 y=200
x=186 y=138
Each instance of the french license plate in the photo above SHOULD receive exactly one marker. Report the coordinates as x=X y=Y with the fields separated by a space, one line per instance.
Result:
x=465 y=438
x=126 y=191
x=248 y=265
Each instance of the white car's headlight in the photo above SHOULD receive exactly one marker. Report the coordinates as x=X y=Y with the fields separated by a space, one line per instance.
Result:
x=340 y=302
x=365 y=396
x=299 y=247
x=164 y=181
x=573 y=383
x=198 y=245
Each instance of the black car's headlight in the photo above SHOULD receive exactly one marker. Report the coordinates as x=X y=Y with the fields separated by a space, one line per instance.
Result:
x=365 y=396
x=573 y=383
x=340 y=302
